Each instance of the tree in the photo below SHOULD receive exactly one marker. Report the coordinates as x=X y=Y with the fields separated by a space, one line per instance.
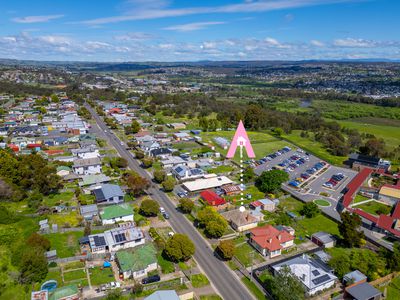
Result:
x=341 y=264
x=309 y=210
x=114 y=294
x=88 y=229
x=55 y=99
x=248 y=175
x=135 y=126
x=226 y=249
x=168 y=184
x=38 y=241
x=149 y=208
x=373 y=147
x=270 y=181
x=159 y=175
x=179 y=247
x=205 y=214
x=285 y=286
x=349 y=229
x=186 y=205
x=139 y=154
x=119 y=162
x=216 y=229
x=33 y=266
x=147 y=162
x=278 y=131
x=136 y=184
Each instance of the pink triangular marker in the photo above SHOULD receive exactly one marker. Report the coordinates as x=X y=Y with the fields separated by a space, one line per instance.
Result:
x=240 y=139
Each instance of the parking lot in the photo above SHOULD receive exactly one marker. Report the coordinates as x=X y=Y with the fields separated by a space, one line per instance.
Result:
x=309 y=183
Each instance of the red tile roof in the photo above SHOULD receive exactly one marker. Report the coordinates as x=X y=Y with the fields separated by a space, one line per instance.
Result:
x=256 y=203
x=268 y=237
x=396 y=212
x=354 y=185
x=34 y=145
x=212 y=198
x=385 y=222
x=365 y=215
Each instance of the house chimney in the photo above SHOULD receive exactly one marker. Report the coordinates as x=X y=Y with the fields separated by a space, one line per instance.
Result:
x=213 y=203
x=270 y=240
x=279 y=237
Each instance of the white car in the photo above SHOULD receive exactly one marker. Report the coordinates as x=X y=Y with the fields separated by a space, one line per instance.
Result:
x=162 y=210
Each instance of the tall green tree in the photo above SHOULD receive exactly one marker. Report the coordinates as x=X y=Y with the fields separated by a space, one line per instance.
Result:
x=285 y=286
x=270 y=181
x=349 y=228
x=179 y=247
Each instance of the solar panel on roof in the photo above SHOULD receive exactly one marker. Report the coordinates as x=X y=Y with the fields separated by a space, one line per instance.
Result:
x=316 y=272
x=99 y=241
x=120 y=237
x=321 y=279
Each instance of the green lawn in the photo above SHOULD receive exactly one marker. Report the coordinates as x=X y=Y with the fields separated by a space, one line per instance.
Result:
x=247 y=255
x=252 y=190
x=199 y=280
x=253 y=289
x=56 y=199
x=221 y=169
x=210 y=297
x=374 y=207
x=100 y=276
x=393 y=289
x=186 y=146
x=165 y=265
x=307 y=227
x=66 y=244
x=54 y=274
x=74 y=265
x=359 y=198
x=322 y=202
x=74 y=275
x=291 y=204
x=65 y=219
x=313 y=147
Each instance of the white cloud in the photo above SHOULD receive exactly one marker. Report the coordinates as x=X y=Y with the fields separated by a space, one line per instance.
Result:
x=192 y=26
x=160 y=9
x=272 y=41
x=317 y=43
x=134 y=36
x=354 y=43
x=208 y=45
x=55 y=39
x=36 y=19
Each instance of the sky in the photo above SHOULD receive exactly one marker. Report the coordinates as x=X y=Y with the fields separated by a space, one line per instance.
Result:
x=177 y=30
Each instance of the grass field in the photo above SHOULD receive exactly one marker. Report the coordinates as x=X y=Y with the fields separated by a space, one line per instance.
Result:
x=375 y=126
x=307 y=227
x=100 y=276
x=374 y=207
x=252 y=190
x=393 y=289
x=66 y=244
x=313 y=147
x=74 y=275
x=55 y=199
x=65 y=219
x=263 y=143
x=165 y=265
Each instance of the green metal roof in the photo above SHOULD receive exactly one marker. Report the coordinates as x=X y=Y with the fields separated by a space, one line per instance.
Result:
x=63 y=292
x=137 y=259
x=115 y=211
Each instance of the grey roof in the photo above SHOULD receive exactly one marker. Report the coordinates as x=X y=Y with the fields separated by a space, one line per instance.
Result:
x=324 y=237
x=108 y=191
x=322 y=255
x=163 y=295
x=89 y=209
x=363 y=291
x=87 y=162
x=355 y=276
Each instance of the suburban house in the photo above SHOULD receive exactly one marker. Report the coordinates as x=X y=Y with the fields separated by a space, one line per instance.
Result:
x=93 y=180
x=213 y=199
x=209 y=181
x=314 y=275
x=63 y=171
x=176 y=125
x=87 y=152
x=358 y=288
x=222 y=142
x=270 y=241
x=88 y=212
x=116 y=213
x=231 y=189
x=123 y=237
x=87 y=166
x=160 y=152
x=323 y=239
x=164 y=295
x=108 y=194
x=241 y=219
x=137 y=262
x=181 y=136
x=182 y=173
x=172 y=161
x=264 y=204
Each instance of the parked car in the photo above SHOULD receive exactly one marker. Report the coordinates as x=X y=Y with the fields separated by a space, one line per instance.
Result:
x=165 y=215
x=151 y=279
x=162 y=210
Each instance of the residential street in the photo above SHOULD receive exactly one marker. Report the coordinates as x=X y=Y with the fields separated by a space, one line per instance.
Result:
x=223 y=279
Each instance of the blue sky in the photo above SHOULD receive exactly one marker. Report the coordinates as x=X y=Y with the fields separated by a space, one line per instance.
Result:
x=168 y=30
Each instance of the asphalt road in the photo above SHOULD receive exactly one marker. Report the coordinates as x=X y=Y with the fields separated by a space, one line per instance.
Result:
x=223 y=279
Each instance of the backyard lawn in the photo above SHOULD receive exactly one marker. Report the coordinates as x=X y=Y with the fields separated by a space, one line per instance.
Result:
x=251 y=190
x=65 y=219
x=307 y=227
x=165 y=265
x=393 y=289
x=66 y=244
x=56 y=199
x=74 y=275
x=374 y=207
x=100 y=276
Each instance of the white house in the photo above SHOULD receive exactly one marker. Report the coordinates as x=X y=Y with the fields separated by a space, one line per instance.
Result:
x=87 y=166
x=116 y=213
x=88 y=152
